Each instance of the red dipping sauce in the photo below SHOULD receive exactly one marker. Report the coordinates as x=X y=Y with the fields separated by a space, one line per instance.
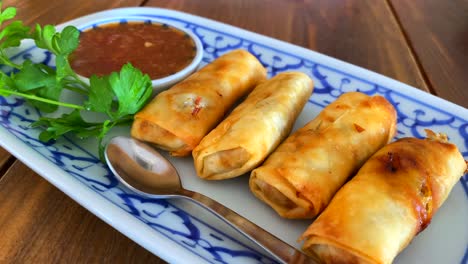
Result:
x=156 y=49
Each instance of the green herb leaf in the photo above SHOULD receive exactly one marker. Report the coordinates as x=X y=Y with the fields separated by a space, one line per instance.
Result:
x=67 y=40
x=33 y=76
x=70 y=122
x=65 y=43
x=6 y=83
x=7 y=14
x=43 y=37
x=132 y=89
x=12 y=34
x=59 y=43
x=100 y=95
x=106 y=126
x=51 y=92
x=40 y=80
x=62 y=67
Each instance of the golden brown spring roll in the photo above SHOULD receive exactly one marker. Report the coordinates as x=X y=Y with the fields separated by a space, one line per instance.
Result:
x=391 y=199
x=301 y=176
x=254 y=129
x=178 y=118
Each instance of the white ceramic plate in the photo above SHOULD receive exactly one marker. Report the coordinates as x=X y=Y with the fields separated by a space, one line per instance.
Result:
x=179 y=231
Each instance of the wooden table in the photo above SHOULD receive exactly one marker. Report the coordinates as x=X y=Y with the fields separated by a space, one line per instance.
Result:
x=419 y=42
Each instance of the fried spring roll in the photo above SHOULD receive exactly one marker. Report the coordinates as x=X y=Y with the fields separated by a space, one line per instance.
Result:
x=254 y=129
x=301 y=176
x=391 y=199
x=178 y=118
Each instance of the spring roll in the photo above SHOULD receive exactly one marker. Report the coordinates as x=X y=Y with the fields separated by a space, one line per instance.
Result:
x=254 y=129
x=391 y=199
x=178 y=118
x=301 y=176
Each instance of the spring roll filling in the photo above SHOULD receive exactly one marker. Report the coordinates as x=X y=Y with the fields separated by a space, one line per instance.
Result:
x=338 y=254
x=225 y=161
x=171 y=141
x=274 y=195
x=281 y=200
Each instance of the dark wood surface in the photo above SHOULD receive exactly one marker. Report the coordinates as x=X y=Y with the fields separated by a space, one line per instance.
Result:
x=59 y=11
x=5 y=159
x=39 y=224
x=362 y=32
x=437 y=32
x=422 y=43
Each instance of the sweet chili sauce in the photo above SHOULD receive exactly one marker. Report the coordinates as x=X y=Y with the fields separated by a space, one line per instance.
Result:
x=156 y=49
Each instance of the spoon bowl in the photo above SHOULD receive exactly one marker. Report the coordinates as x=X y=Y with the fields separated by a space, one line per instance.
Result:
x=145 y=171
x=141 y=168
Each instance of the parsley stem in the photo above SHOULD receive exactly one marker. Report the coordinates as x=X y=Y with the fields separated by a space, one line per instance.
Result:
x=123 y=121
x=76 y=78
x=7 y=62
x=76 y=89
x=41 y=99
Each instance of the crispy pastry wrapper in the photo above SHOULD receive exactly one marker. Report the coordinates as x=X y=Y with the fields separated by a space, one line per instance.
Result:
x=301 y=176
x=391 y=199
x=254 y=129
x=178 y=118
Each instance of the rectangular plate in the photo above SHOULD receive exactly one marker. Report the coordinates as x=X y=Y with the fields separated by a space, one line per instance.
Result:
x=180 y=231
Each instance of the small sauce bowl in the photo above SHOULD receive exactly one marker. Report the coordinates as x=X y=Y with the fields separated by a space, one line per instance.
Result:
x=176 y=49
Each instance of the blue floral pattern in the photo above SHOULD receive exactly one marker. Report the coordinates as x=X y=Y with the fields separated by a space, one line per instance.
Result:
x=200 y=237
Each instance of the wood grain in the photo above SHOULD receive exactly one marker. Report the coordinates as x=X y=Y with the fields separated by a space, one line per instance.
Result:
x=5 y=161
x=438 y=34
x=361 y=32
x=59 y=11
x=40 y=224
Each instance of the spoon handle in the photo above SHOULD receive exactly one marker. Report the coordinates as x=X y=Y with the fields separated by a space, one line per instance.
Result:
x=281 y=250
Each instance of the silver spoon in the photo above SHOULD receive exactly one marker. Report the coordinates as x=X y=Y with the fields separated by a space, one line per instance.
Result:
x=145 y=171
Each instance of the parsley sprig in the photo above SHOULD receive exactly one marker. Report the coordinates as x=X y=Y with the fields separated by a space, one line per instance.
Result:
x=118 y=95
